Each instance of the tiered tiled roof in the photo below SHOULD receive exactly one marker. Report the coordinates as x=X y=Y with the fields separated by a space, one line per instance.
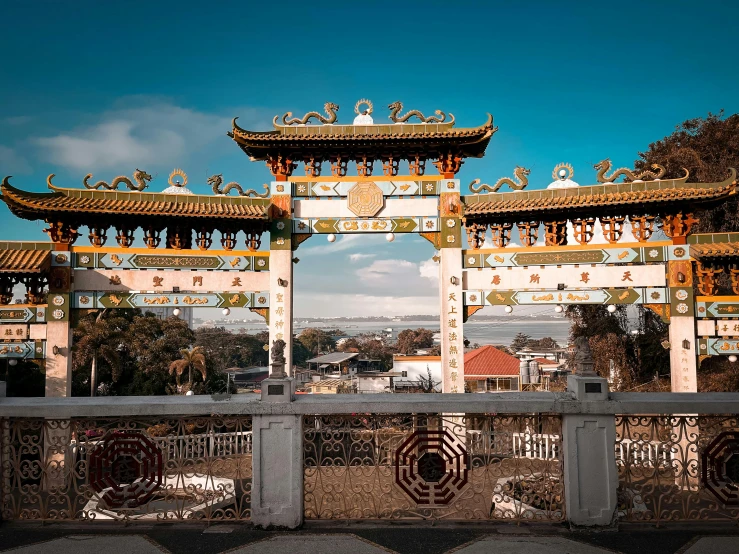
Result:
x=24 y=261
x=715 y=250
x=622 y=198
x=402 y=140
x=488 y=361
x=32 y=205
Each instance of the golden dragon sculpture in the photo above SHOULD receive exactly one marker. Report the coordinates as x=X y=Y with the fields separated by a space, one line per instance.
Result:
x=329 y=107
x=141 y=177
x=216 y=181
x=520 y=173
x=396 y=107
x=605 y=166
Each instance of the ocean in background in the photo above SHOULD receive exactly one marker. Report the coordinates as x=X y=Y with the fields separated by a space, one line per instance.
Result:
x=482 y=332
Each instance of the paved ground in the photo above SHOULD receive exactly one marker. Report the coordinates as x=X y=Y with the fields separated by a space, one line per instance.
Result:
x=103 y=538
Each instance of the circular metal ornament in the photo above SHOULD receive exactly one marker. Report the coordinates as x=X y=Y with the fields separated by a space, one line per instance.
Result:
x=563 y=171
x=363 y=102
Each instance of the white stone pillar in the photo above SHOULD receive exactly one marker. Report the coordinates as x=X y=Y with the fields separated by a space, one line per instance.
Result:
x=281 y=270
x=281 y=302
x=58 y=366
x=450 y=289
x=590 y=473
x=277 y=469
x=683 y=341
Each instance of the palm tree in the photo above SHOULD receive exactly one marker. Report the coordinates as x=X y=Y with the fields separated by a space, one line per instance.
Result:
x=193 y=358
x=94 y=339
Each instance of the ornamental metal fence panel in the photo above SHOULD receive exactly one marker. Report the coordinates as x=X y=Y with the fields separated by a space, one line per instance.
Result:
x=195 y=468
x=424 y=466
x=678 y=467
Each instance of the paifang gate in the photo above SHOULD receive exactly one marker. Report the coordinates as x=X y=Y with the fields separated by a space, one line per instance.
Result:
x=405 y=182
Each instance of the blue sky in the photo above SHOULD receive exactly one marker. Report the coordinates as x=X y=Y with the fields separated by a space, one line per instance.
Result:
x=105 y=87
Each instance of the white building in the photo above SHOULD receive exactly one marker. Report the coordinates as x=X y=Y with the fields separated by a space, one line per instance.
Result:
x=412 y=368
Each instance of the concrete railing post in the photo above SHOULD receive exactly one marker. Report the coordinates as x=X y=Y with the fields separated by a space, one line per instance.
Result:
x=277 y=454
x=588 y=442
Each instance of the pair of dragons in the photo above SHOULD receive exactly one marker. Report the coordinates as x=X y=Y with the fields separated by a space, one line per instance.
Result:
x=331 y=109
x=603 y=167
x=142 y=179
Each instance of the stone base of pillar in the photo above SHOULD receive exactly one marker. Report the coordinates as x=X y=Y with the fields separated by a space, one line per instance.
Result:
x=278 y=390
x=591 y=477
x=277 y=467
x=588 y=387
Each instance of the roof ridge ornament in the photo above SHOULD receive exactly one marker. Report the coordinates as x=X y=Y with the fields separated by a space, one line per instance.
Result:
x=604 y=167
x=177 y=173
x=396 y=107
x=520 y=173
x=563 y=171
x=364 y=117
x=215 y=181
x=329 y=107
x=141 y=177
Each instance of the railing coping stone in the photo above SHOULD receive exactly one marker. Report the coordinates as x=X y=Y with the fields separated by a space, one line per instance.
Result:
x=502 y=402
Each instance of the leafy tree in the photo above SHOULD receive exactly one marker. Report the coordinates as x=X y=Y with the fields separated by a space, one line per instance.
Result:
x=317 y=340
x=191 y=358
x=520 y=341
x=99 y=337
x=225 y=349
x=409 y=340
x=545 y=342
x=706 y=147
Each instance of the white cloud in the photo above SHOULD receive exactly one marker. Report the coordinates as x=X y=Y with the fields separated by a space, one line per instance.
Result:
x=388 y=273
x=429 y=269
x=154 y=134
x=357 y=256
x=354 y=305
x=343 y=243
x=12 y=163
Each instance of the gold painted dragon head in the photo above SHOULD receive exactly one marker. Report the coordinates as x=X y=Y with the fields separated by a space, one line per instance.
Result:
x=142 y=175
x=604 y=164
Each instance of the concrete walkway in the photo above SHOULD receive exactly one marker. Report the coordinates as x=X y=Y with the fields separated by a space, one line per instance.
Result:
x=97 y=539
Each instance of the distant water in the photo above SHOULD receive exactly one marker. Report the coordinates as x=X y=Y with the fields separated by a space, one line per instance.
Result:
x=483 y=332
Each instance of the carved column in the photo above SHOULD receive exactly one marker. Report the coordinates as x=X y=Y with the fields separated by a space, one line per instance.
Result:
x=253 y=241
x=449 y=163
x=707 y=278
x=98 y=236
x=678 y=226
x=179 y=237
x=390 y=166
x=281 y=167
x=476 y=235
x=417 y=166
x=152 y=236
x=204 y=238
x=125 y=237
x=62 y=233
x=364 y=166
x=683 y=344
x=528 y=231
x=58 y=328
x=7 y=282
x=35 y=286
x=583 y=229
x=613 y=227
x=555 y=233
x=734 y=274
x=281 y=273
x=338 y=166
x=642 y=227
x=501 y=234
x=312 y=167
x=451 y=289
x=228 y=239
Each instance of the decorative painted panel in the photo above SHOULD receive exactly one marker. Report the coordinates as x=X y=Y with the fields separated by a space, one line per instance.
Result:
x=530 y=257
x=717 y=309
x=26 y=350
x=168 y=300
x=26 y=314
x=639 y=295
x=366 y=225
x=427 y=186
x=584 y=276
x=133 y=260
